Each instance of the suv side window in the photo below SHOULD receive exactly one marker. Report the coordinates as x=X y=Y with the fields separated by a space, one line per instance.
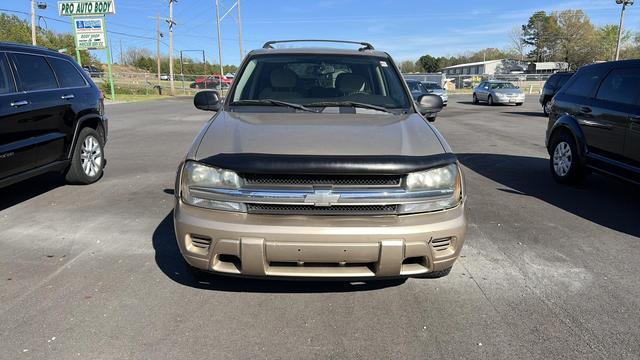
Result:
x=34 y=72
x=584 y=84
x=7 y=85
x=67 y=74
x=620 y=86
x=562 y=80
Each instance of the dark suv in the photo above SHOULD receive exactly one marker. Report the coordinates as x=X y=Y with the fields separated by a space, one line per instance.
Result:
x=51 y=117
x=595 y=123
x=551 y=87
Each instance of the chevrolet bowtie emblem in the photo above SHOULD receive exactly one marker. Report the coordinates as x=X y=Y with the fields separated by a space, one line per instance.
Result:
x=322 y=198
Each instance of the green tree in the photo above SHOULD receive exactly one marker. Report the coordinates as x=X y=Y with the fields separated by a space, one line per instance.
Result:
x=14 y=29
x=607 y=38
x=408 y=66
x=576 y=38
x=429 y=63
x=541 y=33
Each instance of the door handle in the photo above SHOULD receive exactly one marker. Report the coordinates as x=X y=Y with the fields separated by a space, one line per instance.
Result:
x=67 y=97
x=585 y=109
x=19 y=103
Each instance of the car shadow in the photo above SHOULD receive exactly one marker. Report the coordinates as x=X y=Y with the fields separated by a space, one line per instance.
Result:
x=28 y=189
x=603 y=200
x=171 y=263
x=527 y=113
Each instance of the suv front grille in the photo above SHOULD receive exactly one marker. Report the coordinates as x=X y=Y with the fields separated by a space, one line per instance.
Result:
x=319 y=210
x=336 y=180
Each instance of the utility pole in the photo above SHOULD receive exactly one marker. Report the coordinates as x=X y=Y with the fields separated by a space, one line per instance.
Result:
x=33 y=22
x=219 y=42
x=121 y=54
x=240 y=32
x=171 y=23
x=620 y=28
x=158 y=35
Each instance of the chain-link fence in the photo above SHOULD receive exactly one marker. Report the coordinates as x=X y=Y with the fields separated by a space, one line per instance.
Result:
x=529 y=83
x=148 y=84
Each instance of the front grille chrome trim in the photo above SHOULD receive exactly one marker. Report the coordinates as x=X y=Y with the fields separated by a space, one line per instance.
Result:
x=383 y=196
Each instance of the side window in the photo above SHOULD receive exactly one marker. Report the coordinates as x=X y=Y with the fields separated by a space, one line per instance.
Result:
x=34 y=72
x=6 y=79
x=584 y=83
x=68 y=75
x=620 y=86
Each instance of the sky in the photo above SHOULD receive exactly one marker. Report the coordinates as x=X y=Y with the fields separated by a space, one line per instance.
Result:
x=407 y=29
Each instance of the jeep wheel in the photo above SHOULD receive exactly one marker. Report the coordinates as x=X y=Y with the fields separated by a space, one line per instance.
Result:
x=546 y=108
x=87 y=161
x=475 y=98
x=565 y=162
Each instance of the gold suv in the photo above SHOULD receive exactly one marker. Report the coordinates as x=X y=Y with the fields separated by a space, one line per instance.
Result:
x=318 y=164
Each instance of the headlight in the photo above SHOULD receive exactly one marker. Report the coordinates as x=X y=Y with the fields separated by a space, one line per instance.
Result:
x=443 y=185
x=196 y=175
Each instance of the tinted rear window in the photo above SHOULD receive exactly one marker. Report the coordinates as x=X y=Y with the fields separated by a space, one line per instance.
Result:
x=68 y=75
x=562 y=79
x=34 y=72
x=585 y=83
x=620 y=86
x=6 y=80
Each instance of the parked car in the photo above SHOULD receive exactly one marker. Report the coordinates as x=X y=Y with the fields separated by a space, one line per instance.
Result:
x=594 y=123
x=551 y=87
x=165 y=77
x=319 y=164
x=93 y=71
x=209 y=82
x=51 y=117
x=435 y=88
x=417 y=90
x=498 y=92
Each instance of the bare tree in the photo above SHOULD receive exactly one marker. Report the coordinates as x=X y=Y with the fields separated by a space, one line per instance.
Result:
x=517 y=44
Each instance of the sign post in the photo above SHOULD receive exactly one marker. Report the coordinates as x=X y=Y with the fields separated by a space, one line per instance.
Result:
x=90 y=27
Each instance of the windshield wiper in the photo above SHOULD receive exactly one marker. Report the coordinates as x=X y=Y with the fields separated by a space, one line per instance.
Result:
x=351 y=104
x=273 y=102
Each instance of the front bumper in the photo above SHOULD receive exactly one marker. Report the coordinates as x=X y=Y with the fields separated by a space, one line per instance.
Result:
x=319 y=246
x=509 y=100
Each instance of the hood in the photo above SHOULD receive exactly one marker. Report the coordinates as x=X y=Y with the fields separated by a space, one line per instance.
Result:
x=438 y=91
x=508 y=91
x=318 y=134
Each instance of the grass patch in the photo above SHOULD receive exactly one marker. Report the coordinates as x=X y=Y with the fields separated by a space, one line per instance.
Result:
x=135 y=98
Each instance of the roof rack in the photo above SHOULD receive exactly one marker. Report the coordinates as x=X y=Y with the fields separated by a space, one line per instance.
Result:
x=366 y=45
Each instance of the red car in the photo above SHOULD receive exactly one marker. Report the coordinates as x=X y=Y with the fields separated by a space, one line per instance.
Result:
x=210 y=82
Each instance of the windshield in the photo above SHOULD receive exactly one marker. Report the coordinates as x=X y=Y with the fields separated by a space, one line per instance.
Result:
x=431 y=86
x=320 y=79
x=504 y=85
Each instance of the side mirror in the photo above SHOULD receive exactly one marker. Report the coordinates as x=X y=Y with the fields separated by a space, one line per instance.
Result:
x=208 y=100
x=429 y=104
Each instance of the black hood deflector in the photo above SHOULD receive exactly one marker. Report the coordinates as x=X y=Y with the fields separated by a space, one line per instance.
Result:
x=248 y=163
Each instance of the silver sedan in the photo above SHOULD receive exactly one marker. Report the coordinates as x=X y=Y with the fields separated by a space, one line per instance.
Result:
x=498 y=92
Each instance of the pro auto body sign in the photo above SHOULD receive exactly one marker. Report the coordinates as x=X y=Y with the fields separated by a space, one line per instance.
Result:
x=89 y=33
x=86 y=7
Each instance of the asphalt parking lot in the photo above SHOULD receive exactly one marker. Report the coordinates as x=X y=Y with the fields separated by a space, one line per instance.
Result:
x=547 y=271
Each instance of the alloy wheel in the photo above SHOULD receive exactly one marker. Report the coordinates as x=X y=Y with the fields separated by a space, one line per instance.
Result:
x=91 y=156
x=562 y=159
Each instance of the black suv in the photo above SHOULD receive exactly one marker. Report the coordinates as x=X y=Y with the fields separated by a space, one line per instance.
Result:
x=595 y=123
x=51 y=117
x=551 y=87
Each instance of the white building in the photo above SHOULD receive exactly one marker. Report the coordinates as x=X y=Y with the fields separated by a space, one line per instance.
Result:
x=490 y=67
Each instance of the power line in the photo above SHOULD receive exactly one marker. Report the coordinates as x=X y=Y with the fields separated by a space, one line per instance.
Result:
x=68 y=22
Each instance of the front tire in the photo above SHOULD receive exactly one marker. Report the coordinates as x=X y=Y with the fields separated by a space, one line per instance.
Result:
x=87 y=161
x=490 y=100
x=475 y=99
x=546 y=108
x=565 y=163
